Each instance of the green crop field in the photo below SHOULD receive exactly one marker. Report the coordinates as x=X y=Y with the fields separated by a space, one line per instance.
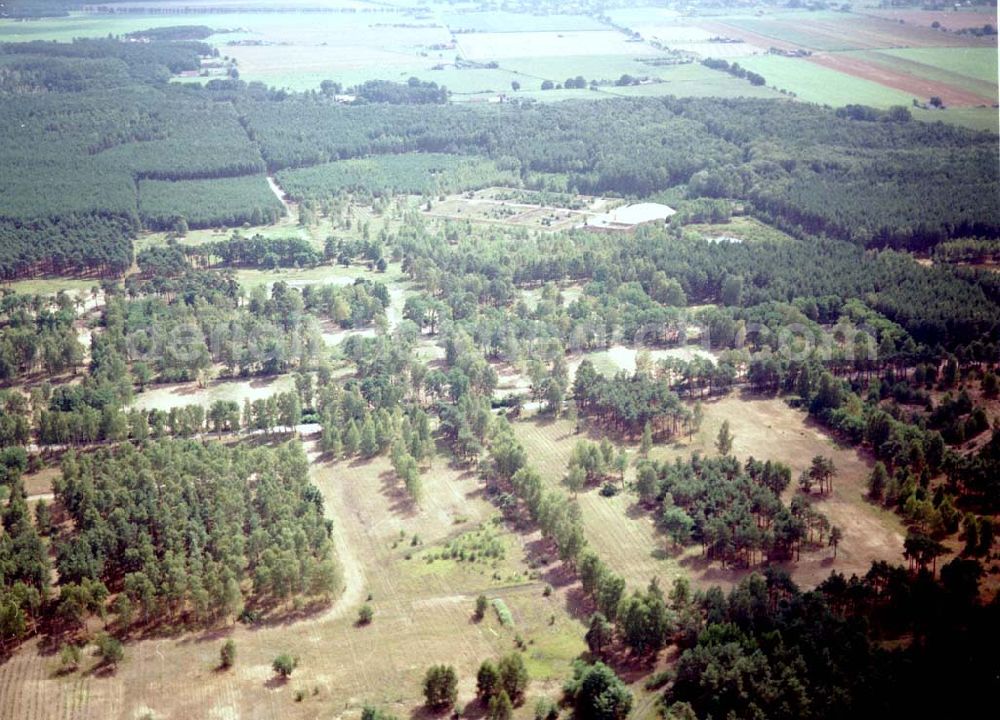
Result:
x=695 y=80
x=794 y=28
x=813 y=83
x=979 y=63
x=499 y=46
x=954 y=67
x=500 y=21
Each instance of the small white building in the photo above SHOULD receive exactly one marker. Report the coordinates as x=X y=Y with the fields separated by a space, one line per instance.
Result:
x=629 y=217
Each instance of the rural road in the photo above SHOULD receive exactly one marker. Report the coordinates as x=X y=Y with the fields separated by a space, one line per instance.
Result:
x=279 y=193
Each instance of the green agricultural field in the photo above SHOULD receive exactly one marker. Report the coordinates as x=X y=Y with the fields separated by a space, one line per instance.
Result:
x=472 y=83
x=696 y=80
x=954 y=67
x=411 y=173
x=500 y=21
x=482 y=47
x=686 y=80
x=979 y=63
x=792 y=30
x=80 y=25
x=630 y=17
x=972 y=118
x=591 y=67
x=814 y=83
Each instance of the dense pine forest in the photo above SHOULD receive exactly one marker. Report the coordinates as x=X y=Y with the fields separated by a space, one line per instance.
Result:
x=122 y=143
x=296 y=393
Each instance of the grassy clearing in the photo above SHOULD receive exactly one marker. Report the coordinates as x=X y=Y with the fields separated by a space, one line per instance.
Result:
x=590 y=66
x=286 y=226
x=625 y=535
x=52 y=285
x=321 y=275
x=164 y=397
x=744 y=228
x=622 y=534
x=770 y=429
x=519 y=208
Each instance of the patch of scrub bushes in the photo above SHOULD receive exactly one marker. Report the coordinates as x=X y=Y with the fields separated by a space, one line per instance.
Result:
x=478 y=546
x=503 y=612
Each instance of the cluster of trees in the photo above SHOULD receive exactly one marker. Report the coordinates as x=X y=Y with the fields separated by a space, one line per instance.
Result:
x=592 y=463
x=175 y=529
x=357 y=305
x=351 y=429
x=628 y=404
x=152 y=62
x=180 y=335
x=406 y=173
x=84 y=424
x=931 y=304
x=632 y=286
x=819 y=173
x=180 y=527
x=501 y=685
x=771 y=650
x=25 y=568
x=957 y=418
x=735 y=512
x=233 y=201
x=968 y=250
x=255 y=251
x=173 y=33
x=627 y=154
x=516 y=485
x=111 y=120
x=734 y=69
x=910 y=453
x=38 y=334
x=413 y=92
x=440 y=687
x=67 y=243
x=897 y=113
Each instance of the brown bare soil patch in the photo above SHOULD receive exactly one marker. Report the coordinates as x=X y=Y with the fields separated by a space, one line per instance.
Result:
x=918 y=87
x=926 y=18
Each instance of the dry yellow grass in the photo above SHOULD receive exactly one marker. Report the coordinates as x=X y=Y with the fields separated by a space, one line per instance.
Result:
x=422 y=616
x=625 y=536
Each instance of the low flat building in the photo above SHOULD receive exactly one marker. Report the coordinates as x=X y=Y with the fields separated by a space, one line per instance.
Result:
x=629 y=217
